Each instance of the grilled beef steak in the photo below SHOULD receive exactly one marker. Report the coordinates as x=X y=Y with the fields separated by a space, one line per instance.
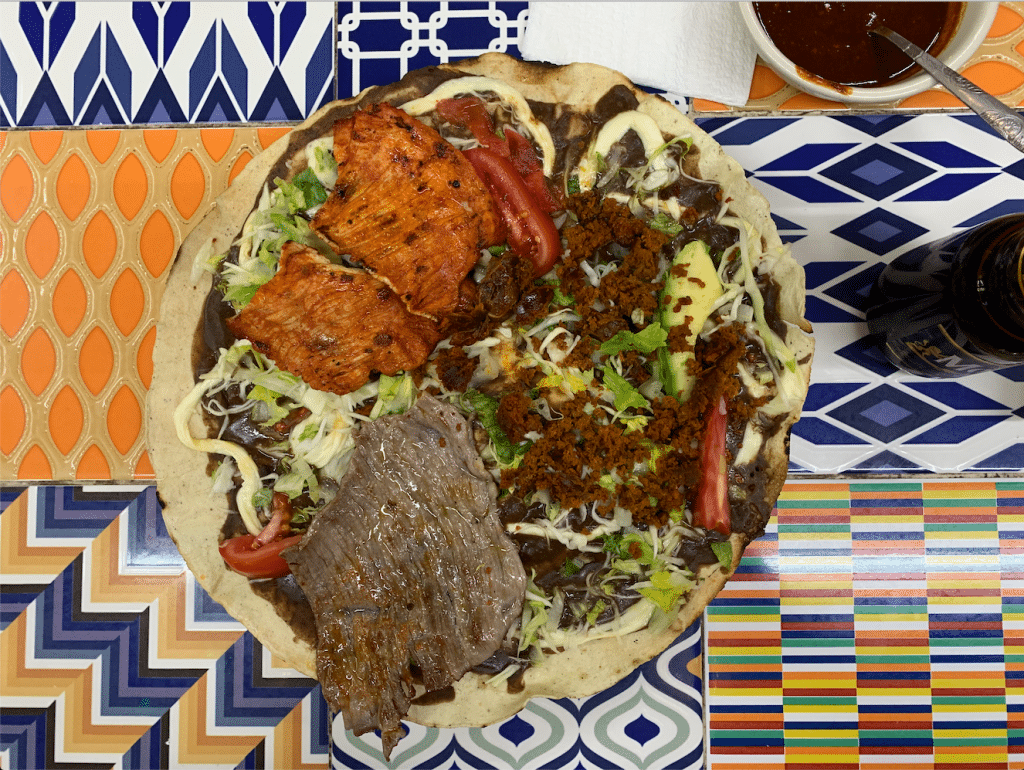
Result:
x=408 y=566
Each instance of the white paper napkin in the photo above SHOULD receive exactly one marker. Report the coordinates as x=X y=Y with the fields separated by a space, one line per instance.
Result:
x=697 y=49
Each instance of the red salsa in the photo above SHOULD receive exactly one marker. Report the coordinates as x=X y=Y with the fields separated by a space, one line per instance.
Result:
x=830 y=41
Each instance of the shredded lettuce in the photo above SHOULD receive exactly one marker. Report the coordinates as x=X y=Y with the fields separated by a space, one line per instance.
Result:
x=723 y=551
x=396 y=395
x=486 y=409
x=647 y=340
x=626 y=395
x=663 y=591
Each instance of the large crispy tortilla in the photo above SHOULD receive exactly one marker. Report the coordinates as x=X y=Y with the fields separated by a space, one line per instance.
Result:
x=194 y=516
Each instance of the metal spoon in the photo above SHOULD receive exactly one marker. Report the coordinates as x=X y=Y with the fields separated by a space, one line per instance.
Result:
x=1006 y=122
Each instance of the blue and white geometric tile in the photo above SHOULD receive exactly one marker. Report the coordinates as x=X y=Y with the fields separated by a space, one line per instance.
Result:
x=378 y=43
x=878 y=187
x=85 y=64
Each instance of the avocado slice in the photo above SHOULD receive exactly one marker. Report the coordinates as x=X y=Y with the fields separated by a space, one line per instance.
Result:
x=691 y=277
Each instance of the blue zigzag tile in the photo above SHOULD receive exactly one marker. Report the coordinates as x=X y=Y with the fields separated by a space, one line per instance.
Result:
x=133 y=690
x=206 y=610
x=819 y=273
x=152 y=750
x=14 y=598
x=9 y=494
x=64 y=630
x=74 y=512
x=160 y=24
x=23 y=733
x=149 y=546
x=245 y=696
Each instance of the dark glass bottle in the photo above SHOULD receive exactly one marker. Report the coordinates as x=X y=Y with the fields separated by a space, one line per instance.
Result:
x=956 y=306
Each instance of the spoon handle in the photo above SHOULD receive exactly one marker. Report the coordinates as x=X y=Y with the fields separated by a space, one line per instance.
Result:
x=1007 y=123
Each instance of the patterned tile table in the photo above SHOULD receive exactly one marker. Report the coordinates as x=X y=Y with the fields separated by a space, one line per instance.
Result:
x=877 y=623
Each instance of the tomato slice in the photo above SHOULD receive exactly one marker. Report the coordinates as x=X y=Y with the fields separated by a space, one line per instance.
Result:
x=470 y=112
x=526 y=162
x=265 y=562
x=531 y=231
x=711 y=510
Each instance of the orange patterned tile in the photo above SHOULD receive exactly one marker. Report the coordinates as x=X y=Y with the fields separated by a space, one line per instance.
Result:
x=217 y=142
x=96 y=361
x=94 y=218
x=73 y=187
x=157 y=244
x=127 y=301
x=42 y=244
x=12 y=415
x=45 y=144
x=66 y=420
x=70 y=302
x=17 y=188
x=102 y=142
x=130 y=186
x=14 y=300
x=99 y=244
x=1008 y=20
x=187 y=185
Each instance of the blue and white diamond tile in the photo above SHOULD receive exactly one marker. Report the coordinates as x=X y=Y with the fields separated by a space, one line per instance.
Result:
x=876 y=189
x=155 y=62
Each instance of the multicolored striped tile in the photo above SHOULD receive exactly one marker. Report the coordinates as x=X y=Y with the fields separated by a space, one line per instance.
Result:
x=896 y=641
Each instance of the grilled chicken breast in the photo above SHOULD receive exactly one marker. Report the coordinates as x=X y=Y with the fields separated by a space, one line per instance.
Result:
x=333 y=325
x=408 y=206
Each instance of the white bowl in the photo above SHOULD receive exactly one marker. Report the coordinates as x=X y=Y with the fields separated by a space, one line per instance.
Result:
x=974 y=26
